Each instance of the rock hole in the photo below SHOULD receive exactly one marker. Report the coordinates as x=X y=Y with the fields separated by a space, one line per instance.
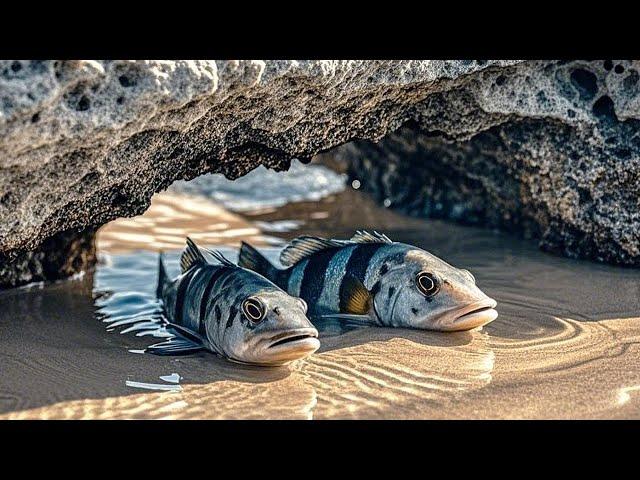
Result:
x=619 y=69
x=584 y=195
x=608 y=65
x=58 y=67
x=604 y=109
x=128 y=74
x=90 y=177
x=585 y=82
x=5 y=199
x=77 y=99
x=35 y=118
x=83 y=104
x=16 y=66
x=120 y=100
x=126 y=81
x=500 y=80
x=631 y=80
x=118 y=199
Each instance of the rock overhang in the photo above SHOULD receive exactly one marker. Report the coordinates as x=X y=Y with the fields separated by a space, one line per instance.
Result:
x=84 y=142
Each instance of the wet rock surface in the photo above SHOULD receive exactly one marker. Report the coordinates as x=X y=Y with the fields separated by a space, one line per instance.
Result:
x=59 y=256
x=85 y=142
x=556 y=158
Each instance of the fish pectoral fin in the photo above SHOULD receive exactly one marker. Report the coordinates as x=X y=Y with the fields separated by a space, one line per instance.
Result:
x=180 y=331
x=183 y=343
x=175 y=346
x=355 y=298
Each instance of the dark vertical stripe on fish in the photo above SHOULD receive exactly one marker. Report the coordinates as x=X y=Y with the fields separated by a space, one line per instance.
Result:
x=357 y=267
x=218 y=274
x=313 y=276
x=233 y=311
x=181 y=294
x=282 y=278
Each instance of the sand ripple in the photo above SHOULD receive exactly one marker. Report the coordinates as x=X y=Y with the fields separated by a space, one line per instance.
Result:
x=566 y=343
x=221 y=400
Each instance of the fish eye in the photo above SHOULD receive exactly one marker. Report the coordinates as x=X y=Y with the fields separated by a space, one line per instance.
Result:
x=427 y=284
x=253 y=309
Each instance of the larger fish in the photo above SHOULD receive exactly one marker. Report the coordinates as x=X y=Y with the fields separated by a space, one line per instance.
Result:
x=233 y=312
x=372 y=279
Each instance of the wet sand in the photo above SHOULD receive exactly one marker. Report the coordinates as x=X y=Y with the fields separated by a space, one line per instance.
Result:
x=169 y=219
x=566 y=343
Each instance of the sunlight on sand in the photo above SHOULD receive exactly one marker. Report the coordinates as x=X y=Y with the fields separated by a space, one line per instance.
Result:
x=559 y=349
x=374 y=373
x=170 y=219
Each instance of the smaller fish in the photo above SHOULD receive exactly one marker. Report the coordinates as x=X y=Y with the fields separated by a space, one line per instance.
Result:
x=233 y=312
x=372 y=280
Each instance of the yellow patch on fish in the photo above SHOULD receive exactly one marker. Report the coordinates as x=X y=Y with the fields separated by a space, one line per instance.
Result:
x=358 y=298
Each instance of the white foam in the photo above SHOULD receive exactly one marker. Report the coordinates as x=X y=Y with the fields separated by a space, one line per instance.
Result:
x=263 y=188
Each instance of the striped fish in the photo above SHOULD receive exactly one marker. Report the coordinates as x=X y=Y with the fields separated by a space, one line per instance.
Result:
x=374 y=280
x=232 y=312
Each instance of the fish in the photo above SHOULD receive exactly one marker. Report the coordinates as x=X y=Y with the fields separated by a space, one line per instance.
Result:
x=231 y=311
x=372 y=280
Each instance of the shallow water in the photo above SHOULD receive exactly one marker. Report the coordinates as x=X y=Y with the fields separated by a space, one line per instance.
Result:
x=565 y=345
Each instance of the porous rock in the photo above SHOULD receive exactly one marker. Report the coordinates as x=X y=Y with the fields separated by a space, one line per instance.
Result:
x=84 y=142
x=549 y=150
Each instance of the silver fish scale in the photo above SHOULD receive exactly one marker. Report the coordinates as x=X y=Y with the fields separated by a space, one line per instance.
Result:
x=191 y=311
x=295 y=279
x=329 y=300
x=227 y=292
x=384 y=254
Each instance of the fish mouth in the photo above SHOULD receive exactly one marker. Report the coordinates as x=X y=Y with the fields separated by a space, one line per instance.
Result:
x=285 y=347
x=475 y=315
x=306 y=338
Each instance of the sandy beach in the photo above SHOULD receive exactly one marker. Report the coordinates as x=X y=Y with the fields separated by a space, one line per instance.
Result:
x=565 y=345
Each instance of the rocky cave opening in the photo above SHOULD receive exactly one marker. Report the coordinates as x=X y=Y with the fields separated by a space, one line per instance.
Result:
x=549 y=150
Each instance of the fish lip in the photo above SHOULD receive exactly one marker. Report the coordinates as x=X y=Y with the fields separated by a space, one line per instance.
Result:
x=474 y=315
x=476 y=307
x=291 y=337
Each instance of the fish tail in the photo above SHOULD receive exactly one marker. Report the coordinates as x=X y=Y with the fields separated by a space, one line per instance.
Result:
x=162 y=276
x=253 y=260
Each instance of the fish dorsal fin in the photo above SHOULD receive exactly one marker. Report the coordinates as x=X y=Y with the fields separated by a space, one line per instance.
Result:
x=362 y=236
x=191 y=256
x=354 y=297
x=304 y=246
x=219 y=257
